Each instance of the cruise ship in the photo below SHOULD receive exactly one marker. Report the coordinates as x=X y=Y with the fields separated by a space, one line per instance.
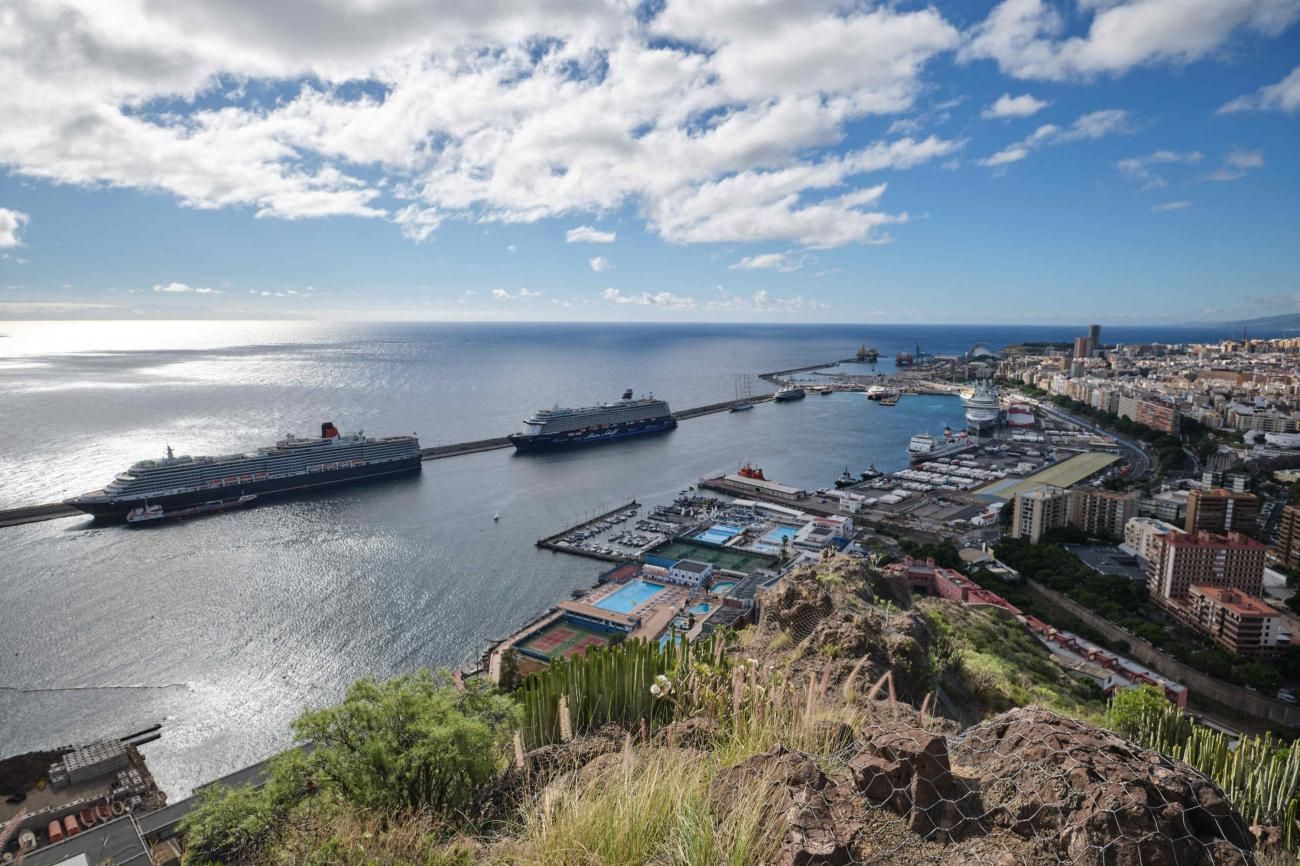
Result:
x=293 y=463
x=560 y=427
x=983 y=408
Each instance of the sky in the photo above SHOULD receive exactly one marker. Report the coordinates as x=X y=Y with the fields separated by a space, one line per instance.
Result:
x=1035 y=161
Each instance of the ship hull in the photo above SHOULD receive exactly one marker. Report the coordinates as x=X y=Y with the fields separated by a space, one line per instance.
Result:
x=113 y=509
x=573 y=438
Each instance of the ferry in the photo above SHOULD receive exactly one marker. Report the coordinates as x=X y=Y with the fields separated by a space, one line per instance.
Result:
x=788 y=393
x=294 y=463
x=923 y=446
x=561 y=427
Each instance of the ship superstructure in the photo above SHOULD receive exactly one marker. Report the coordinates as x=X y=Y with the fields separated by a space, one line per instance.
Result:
x=983 y=408
x=293 y=463
x=560 y=427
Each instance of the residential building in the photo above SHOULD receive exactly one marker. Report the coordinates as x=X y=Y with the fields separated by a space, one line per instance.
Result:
x=1288 y=538
x=1101 y=512
x=1219 y=510
x=1142 y=534
x=1239 y=623
x=1232 y=561
x=1037 y=510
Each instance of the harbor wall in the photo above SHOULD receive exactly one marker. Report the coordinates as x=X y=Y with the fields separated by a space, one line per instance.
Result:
x=56 y=510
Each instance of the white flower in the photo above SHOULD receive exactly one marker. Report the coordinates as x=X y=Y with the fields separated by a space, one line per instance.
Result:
x=656 y=691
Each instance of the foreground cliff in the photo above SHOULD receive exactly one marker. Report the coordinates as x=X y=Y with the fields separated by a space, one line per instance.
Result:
x=822 y=735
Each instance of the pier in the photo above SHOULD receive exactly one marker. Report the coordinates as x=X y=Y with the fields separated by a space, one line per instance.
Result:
x=57 y=510
x=551 y=542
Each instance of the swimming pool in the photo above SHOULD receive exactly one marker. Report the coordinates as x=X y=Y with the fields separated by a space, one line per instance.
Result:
x=719 y=533
x=780 y=534
x=701 y=608
x=723 y=587
x=630 y=596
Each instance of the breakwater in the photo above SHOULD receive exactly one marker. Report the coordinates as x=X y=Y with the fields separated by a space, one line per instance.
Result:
x=57 y=510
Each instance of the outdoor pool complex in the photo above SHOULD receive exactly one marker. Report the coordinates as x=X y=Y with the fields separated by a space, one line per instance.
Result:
x=723 y=587
x=719 y=533
x=780 y=534
x=632 y=595
x=701 y=608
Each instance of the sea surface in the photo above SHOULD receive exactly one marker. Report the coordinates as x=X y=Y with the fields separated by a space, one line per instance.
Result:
x=225 y=628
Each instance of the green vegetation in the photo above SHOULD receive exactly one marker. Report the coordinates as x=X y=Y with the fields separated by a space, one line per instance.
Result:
x=1123 y=602
x=943 y=553
x=635 y=682
x=1260 y=775
x=989 y=663
x=412 y=744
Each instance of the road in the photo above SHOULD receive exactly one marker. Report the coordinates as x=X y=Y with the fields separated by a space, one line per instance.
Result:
x=1138 y=458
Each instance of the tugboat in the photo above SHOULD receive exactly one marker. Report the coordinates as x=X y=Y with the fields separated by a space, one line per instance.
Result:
x=846 y=479
x=751 y=472
x=788 y=393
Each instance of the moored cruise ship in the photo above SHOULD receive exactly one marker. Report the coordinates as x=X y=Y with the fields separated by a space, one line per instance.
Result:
x=560 y=427
x=294 y=463
x=983 y=408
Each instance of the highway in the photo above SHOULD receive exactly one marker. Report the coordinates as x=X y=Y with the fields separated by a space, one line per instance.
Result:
x=1137 y=457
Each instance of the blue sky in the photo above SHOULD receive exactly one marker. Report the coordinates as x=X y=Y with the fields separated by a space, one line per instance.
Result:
x=1020 y=161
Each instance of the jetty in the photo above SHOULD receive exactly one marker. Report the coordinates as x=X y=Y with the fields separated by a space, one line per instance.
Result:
x=57 y=510
x=553 y=543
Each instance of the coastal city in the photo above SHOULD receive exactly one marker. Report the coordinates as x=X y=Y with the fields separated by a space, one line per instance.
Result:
x=666 y=433
x=1163 y=471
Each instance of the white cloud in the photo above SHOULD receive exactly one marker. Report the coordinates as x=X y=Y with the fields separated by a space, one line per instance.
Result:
x=1094 y=125
x=589 y=235
x=183 y=289
x=661 y=300
x=522 y=294
x=420 y=113
x=1171 y=206
x=762 y=302
x=511 y=248
x=600 y=264
x=1007 y=105
x=1139 y=167
x=783 y=262
x=11 y=223
x=1024 y=36
x=1283 y=96
x=1236 y=163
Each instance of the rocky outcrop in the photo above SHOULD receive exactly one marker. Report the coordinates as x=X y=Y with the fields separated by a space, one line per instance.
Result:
x=1026 y=787
x=841 y=617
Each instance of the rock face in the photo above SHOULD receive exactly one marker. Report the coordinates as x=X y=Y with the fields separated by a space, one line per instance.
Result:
x=1027 y=787
x=833 y=616
x=1104 y=799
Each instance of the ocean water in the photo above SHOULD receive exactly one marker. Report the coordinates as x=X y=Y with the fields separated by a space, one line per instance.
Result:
x=225 y=628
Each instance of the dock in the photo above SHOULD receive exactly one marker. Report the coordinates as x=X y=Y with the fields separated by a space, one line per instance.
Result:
x=57 y=510
x=551 y=542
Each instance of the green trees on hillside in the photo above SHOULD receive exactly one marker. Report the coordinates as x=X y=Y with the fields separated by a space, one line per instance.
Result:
x=414 y=743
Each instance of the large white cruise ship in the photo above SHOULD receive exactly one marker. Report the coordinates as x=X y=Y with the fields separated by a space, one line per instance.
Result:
x=291 y=464
x=561 y=427
x=983 y=408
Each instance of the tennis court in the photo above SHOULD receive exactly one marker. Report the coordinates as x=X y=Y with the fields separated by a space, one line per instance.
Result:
x=562 y=639
x=720 y=557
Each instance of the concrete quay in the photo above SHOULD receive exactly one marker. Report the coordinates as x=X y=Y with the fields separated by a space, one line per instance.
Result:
x=57 y=510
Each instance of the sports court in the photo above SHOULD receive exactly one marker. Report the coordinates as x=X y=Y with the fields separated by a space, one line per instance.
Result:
x=562 y=639
x=721 y=557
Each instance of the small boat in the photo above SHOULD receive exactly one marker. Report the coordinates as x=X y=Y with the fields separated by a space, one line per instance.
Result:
x=147 y=515
x=496 y=517
x=826 y=391
x=846 y=479
x=741 y=407
x=88 y=817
